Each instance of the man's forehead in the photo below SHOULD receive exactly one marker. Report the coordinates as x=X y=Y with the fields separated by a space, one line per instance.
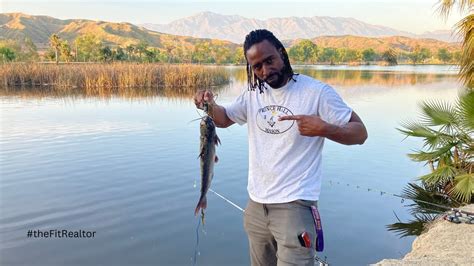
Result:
x=261 y=49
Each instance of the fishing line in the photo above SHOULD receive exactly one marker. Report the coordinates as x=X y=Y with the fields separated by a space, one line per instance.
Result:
x=228 y=201
x=368 y=189
x=406 y=198
x=196 y=248
x=317 y=259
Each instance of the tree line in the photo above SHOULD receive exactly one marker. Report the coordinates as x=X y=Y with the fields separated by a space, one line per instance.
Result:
x=89 y=48
x=308 y=52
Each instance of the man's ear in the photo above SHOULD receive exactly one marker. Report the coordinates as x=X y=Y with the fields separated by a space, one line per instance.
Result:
x=280 y=51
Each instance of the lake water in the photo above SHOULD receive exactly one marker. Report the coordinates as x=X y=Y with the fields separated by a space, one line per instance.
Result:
x=127 y=169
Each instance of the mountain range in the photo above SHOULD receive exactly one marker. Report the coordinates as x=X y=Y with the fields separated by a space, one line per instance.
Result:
x=18 y=26
x=233 y=28
x=38 y=29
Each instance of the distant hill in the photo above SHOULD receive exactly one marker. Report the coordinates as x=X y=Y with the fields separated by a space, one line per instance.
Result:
x=18 y=26
x=442 y=35
x=234 y=28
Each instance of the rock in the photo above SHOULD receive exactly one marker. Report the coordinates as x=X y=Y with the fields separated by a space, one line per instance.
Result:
x=443 y=243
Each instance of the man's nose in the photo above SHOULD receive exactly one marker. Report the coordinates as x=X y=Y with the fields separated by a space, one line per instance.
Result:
x=265 y=71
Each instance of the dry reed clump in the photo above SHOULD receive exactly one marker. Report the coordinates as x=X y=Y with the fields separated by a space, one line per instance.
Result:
x=119 y=78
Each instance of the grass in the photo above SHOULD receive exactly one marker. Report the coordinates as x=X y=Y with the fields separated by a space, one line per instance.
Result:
x=110 y=79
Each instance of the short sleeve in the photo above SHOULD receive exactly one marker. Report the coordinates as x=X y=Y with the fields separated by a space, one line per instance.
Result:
x=332 y=108
x=237 y=110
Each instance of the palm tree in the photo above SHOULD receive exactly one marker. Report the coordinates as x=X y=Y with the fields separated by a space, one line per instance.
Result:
x=465 y=28
x=130 y=49
x=55 y=42
x=448 y=132
x=141 y=48
x=422 y=212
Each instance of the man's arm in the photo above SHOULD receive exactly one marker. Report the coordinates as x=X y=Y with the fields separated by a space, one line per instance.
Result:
x=219 y=116
x=354 y=132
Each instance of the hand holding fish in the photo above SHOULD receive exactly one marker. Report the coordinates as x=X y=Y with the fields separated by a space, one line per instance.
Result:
x=203 y=96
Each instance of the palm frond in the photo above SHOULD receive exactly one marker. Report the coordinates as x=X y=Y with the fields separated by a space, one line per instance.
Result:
x=421 y=156
x=445 y=6
x=465 y=28
x=412 y=227
x=466 y=109
x=446 y=159
x=463 y=188
x=438 y=113
x=432 y=138
x=415 y=129
x=441 y=175
x=420 y=195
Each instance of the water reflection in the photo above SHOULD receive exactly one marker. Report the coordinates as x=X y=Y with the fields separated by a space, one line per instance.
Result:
x=360 y=77
x=125 y=165
x=128 y=93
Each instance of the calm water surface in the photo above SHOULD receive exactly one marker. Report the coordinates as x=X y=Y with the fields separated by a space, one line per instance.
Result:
x=128 y=169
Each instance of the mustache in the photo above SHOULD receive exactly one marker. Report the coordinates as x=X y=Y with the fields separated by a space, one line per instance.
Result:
x=278 y=75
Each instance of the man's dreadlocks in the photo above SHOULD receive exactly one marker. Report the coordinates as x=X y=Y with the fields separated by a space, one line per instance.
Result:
x=258 y=36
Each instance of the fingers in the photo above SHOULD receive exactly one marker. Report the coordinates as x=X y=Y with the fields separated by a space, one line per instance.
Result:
x=290 y=117
x=208 y=96
x=202 y=96
x=198 y=99
x=308 y=125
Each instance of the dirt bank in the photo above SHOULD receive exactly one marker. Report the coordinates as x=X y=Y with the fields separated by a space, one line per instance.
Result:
x=443 y=243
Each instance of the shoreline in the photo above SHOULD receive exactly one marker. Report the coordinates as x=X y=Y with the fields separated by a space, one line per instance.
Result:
x=443 y=243
x=210 y=64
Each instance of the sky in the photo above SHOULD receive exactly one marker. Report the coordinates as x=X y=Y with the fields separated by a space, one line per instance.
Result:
x=416 y=16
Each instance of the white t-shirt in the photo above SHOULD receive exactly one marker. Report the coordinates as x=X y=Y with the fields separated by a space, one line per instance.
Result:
x=283 y=165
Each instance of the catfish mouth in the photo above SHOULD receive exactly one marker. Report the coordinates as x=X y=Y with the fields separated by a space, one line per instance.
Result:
x=207 y=121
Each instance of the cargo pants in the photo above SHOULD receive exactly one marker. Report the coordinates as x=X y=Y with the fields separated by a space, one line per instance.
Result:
x=273 y=231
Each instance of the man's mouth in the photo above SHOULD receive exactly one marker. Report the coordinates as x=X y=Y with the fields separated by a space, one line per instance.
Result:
x=271 y=78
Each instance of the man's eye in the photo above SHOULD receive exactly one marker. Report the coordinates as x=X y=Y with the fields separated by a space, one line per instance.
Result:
x=257 y=67
x=269 y=61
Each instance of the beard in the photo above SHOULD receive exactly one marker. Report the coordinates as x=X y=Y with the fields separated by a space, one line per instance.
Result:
x=278 y=79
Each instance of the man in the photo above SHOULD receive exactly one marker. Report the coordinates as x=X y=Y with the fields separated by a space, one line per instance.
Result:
x=288 y=119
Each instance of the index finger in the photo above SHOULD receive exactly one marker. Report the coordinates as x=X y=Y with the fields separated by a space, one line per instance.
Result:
x=289 y=117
